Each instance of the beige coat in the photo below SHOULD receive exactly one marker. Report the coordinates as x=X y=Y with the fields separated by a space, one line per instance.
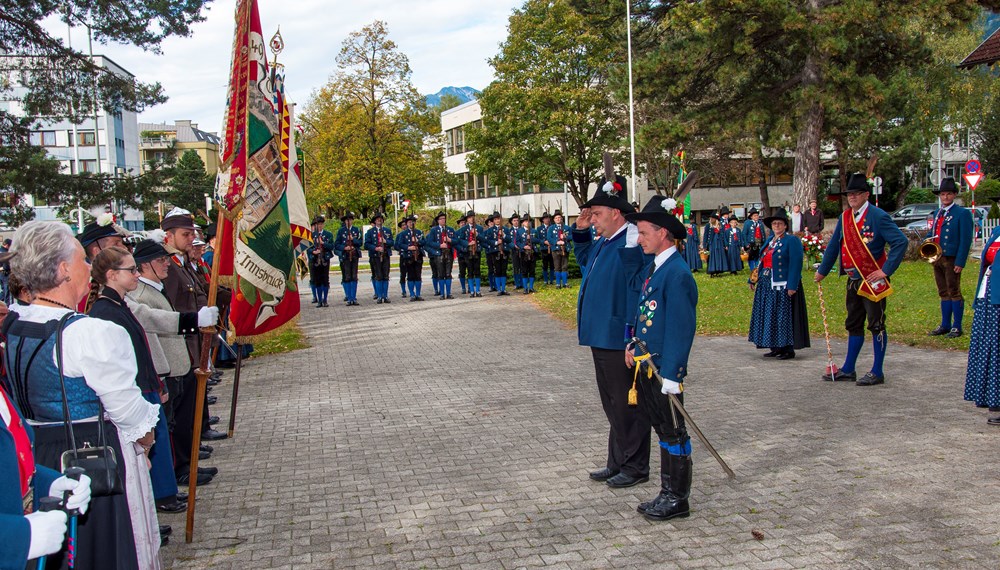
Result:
x=163 y=329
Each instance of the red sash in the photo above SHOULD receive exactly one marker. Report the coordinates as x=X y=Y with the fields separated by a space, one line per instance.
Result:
x=22 y=446
x=857 y=255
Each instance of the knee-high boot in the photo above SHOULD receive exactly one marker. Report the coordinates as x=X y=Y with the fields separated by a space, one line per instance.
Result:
x=676 y=488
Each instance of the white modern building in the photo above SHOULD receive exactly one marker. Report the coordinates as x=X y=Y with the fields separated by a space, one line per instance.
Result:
x=105 y=143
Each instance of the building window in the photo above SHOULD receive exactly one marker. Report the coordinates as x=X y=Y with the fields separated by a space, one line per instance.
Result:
x=88 y=166
x=85 y=138
x=43 y=138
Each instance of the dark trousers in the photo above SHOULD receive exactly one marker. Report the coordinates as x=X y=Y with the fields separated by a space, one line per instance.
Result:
x=319 y=275
x=628 y=440
x=528 y=265
x=413 y=269
x=949 y=283
x=183 y=394
x=349 y=268
x=380 y=266
x=515 y=263
x=463 y=266
x=860 y=309
x=498 y=261
x=546 y=263
x=474 y=269
x=443 y=263
x=560 y=261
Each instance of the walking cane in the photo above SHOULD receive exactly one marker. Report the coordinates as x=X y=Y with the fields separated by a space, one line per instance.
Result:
x=46 y=504
x=831 y=368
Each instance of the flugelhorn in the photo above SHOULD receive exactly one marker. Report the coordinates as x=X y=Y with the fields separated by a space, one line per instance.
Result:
x=930 y=250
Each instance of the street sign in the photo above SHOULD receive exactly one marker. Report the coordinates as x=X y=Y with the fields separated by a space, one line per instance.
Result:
x=972 y=167
x=877 y=184
x=936 y=151
x=936 y=176
x=973 y=180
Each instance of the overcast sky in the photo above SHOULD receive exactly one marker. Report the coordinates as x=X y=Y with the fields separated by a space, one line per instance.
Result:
x=447 y=42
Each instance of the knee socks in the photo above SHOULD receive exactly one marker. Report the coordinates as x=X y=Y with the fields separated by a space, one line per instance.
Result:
x=946 y=310
x=880 y=340
x=854 y=344
x=957 y=310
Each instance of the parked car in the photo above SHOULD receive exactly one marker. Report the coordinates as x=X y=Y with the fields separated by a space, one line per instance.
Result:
x=913 y=213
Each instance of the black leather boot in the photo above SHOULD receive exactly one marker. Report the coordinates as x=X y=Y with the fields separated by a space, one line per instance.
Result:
x=664 y=483
x=675 y=503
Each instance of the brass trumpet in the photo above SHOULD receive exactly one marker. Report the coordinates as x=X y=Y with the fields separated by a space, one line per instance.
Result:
x=930 y=250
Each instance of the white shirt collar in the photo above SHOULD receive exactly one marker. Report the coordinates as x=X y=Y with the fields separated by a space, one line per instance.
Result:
x=861 y=212
x=664 y=255
x=945 y=209
x=151 y=283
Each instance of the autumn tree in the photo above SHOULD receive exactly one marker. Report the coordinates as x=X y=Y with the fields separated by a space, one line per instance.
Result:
x=550 y=113
x=366 y=130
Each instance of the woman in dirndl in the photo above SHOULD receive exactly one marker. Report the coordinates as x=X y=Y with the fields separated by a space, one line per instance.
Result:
x=692 y=253
x=982 y=377
x=99 y=371
x=734 y=246
x=714 y=242
x=779 y=320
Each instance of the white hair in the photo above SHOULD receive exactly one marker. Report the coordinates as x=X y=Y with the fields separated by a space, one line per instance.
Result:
x=41 y=247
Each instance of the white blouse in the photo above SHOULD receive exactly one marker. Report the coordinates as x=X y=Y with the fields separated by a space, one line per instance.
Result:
x=101 y=352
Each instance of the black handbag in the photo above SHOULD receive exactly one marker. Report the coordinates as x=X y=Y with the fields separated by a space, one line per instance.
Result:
x=100 y=463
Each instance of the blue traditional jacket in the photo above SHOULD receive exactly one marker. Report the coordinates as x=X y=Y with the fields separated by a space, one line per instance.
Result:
x=372 y=240
x=432 y=241
x=880 y=231
x=956 y=232
x=667 y=316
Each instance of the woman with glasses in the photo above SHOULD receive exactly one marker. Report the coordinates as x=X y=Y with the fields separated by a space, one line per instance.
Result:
x=99 y=370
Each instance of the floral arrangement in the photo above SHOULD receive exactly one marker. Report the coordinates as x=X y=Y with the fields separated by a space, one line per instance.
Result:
x=813 y=246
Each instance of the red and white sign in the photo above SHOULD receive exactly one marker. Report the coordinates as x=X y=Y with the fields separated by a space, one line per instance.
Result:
x=973 y=180
x=973 y=167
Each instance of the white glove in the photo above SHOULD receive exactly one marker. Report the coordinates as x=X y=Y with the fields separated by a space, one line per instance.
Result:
x=208 y=316
x=670 y=387
x=47 y=533
x=79 y=498
x=631 y=235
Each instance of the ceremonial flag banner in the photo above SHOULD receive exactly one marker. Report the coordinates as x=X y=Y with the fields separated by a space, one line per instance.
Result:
x=252 y=189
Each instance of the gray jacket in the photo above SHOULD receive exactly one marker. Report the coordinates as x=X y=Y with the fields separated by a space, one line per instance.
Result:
x=165 y=329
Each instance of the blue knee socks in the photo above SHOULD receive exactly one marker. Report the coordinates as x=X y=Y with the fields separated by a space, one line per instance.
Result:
x=854 y=344
x=502 y=283
x=314 y=291
x=461 y=280
x=957 y=310
x=679 y=449
x=419 y=286
x=880 y=340
x=447 y=287
x=478 y=281
x=946 y=309
x=324 y=292
x=531 y=283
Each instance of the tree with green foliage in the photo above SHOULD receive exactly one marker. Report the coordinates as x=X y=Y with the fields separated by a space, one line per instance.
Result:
x=53 y=81
x=365 y=130
x=549 y=114
x=189 y=182
x=834 y=70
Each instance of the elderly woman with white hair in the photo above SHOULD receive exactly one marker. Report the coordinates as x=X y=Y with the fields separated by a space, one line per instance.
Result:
x=96 y=373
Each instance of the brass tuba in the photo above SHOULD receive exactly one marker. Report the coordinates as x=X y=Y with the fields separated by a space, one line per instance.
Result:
x=930 y=250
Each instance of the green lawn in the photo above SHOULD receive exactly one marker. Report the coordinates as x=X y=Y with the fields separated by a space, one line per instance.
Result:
x=285 y=340
x=725 y=302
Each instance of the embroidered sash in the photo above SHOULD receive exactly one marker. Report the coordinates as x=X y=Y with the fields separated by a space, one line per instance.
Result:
x=861 y=259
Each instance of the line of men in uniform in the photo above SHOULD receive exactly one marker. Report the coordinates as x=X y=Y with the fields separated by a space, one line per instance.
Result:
x=517 y=244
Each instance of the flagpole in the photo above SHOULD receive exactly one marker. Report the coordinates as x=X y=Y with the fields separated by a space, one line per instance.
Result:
x=631 y=111
x=201 y=374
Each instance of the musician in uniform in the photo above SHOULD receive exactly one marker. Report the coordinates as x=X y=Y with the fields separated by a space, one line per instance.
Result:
x=862 y=234
x=439 y=247
x=410 y=244
x=378 y=244
x=559 y=247
x=320 y=255
x=604 y=306
x=524 y=244
x=541 y=238
x=664 y=322
x=513 y=225
x=400 y=226
x=347 y=247
x=753 y=237
x=463 y=266
x=469 y=242
x=497 y=252
x=951 y=230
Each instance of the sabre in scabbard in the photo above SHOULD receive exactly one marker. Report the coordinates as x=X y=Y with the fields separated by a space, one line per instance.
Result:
x=675 y=405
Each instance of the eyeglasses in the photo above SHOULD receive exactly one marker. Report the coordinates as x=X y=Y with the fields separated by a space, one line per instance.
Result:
x=133 y=269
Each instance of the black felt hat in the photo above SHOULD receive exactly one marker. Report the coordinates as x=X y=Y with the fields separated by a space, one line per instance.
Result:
x=947 y=185
x=210 y=231
x=611 y=195
x=546 y=215
x=779 y=214
x=147 y=250
x=441 y=214
x=94 y=231
x=401 y=223
x=658 y=211
x=178 y=218
x=513 y=217
x=556 y=213
x=469 y=214
x=856 y=183
x=376 y=216
x=319 y=219
x=752 y=212
x=348 y=216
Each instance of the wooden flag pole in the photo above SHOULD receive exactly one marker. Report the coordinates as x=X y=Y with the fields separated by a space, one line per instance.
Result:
x=201 y=374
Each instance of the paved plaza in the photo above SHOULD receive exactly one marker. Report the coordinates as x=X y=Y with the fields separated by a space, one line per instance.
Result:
x=460 y=433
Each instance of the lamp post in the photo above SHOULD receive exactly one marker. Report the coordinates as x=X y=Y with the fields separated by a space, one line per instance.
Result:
x=631 y=111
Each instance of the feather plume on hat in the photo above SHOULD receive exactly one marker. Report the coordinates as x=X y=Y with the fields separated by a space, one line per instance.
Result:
x=157 y=235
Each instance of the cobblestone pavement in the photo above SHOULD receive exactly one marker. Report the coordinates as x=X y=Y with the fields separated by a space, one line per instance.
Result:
x=460 y=433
